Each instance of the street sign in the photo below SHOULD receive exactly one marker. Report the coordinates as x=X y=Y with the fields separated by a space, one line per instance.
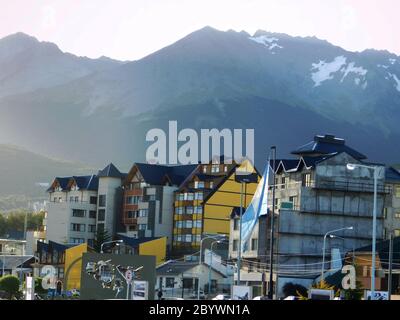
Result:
x=129 y=276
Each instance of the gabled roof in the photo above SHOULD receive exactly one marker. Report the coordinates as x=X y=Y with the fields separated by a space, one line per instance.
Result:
x=83 y=182
x=110 y=171
x=392 y=175
x=155 y=174
x=86 y=182
x=382 y=249
x=327 y=144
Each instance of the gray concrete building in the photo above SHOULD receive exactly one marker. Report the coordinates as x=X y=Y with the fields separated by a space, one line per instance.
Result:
x=315 y=194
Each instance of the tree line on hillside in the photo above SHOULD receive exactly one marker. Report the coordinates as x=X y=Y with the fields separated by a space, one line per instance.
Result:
x=14 y=221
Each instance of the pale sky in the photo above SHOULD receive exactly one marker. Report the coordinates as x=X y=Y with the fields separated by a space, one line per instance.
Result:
x=132 y=29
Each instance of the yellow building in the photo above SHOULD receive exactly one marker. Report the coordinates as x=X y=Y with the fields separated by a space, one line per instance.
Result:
x=156 y=247
x=203 y=205
x=73 y=266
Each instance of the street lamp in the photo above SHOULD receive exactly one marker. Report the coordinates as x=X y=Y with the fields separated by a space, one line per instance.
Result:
x=201 y=256
x=209 y=267
x=109 y=242
x=353 y=166
x=323 y=248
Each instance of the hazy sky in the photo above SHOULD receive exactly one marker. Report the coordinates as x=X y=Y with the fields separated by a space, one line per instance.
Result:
x=131 y=29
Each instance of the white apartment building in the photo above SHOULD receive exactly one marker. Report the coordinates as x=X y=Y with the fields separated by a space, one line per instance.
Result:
x=80 y=205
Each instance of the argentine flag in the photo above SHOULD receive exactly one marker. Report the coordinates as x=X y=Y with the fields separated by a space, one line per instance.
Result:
x=257 y=208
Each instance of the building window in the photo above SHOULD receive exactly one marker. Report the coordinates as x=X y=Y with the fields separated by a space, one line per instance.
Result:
x=189 y=210
x=101 y=215
x=169 y=282
x=92 y=228
x=78 y=227
x=188 y=238
x=235 y=245
x=254 y=244
x=77 y=240
x=397 y=215
x=179 y=238
x=397 y=191
x=189 y=196
x=397 y=232
x=236 y=224
x=211 y=184
x=199 y=184
x=178 y=210
x=133 y=199
x=198 y=238
x=197 y=223
x=215 y=168
x=76 y=199
x=306 y=180
x=178 y=224
x=93 y=200
x=189 y=224
x=283 y=183
x=92 y=214
x=143 y=212
x=198 y=209
x=132 y=228
x=198 y=196
x=102 y=200
x=78 y=213
x=142 y=226
x=152 y=197
x=71 y=199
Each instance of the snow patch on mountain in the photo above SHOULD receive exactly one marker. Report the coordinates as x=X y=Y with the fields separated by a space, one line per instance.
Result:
x=269 y=42
x=397 y=81
x=325 y=70
x=351 y=68
x=392 y=61
x=382 y=66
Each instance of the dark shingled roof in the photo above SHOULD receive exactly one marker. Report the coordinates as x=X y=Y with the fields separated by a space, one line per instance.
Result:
x=382 y=249
x=134 y=242
x=327 y=144
x=392 y=175
x=87 y=182
x=154 y=174
x=110 y=171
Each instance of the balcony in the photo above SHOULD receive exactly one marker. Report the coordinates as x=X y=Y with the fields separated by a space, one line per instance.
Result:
x=348 y=186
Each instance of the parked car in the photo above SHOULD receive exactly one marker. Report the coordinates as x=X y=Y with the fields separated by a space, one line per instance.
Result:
x=222 y=297
x=261 y=298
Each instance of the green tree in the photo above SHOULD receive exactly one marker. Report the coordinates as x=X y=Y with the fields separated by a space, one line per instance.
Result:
x=101 y=236
x=10 y=285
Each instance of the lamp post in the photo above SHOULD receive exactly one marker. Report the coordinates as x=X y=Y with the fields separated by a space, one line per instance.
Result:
x=323 y=248
x=201 y=257
x=109 y=242
x=209 y=267
x=353 y=166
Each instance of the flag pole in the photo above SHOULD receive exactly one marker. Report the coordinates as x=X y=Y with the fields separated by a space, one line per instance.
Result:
x=271 y=248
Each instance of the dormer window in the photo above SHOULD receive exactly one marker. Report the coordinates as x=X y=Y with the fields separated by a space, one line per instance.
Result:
x=58 y=188
x=215 y=168
x=74 y=188
x=199 y=184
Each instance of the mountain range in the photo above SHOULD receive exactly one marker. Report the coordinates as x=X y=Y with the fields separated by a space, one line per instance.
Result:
x=287 y=88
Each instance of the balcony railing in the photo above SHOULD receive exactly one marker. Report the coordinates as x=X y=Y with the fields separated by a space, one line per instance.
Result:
x=348 y=186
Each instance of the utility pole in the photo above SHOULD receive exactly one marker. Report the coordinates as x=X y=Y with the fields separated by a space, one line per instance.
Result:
x=271 y=249
x=390 y=265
